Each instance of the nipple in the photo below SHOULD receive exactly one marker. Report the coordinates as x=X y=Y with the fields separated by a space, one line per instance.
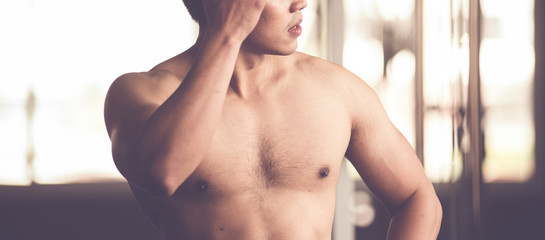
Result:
x=201 y=186
x=324 y=172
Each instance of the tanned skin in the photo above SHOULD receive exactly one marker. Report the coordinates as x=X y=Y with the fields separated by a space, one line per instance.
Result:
x=242 y=137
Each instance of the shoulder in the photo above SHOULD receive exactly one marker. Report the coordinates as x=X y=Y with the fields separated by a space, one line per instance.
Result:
x=338 y=78
x=136 y=93
x=142 y=85
x=316 y=65
x=164 y=76
x=133 y=97
x=318 y=68
x=151 y=86
x=357 y=95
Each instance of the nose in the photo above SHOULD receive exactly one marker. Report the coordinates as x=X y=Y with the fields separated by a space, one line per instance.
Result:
x=297 y=5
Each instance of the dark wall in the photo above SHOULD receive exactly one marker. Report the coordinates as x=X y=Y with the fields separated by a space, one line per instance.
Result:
x=72 y=212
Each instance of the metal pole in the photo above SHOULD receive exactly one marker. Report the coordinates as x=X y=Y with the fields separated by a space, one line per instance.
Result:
x=335 y=31
x=475 y=116
x=30 y=105
x=419 y=80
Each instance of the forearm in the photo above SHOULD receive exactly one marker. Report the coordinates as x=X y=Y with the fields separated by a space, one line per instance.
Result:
x=173 y=141
x=158 y=143
x=419 y=218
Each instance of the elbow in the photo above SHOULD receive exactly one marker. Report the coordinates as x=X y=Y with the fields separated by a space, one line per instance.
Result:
x=158 y=185
x=438 y=214
x=154 y=176
x=424 y=208
x=419 y=217
x=433 y=209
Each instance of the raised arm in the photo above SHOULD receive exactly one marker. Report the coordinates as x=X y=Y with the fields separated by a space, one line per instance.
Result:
x=389 y=166
x=156 y=142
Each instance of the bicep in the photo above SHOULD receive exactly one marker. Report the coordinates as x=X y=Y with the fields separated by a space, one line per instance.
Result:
x=381 y=155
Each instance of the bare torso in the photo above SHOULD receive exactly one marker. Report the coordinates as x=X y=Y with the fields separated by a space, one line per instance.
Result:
x=273 y=164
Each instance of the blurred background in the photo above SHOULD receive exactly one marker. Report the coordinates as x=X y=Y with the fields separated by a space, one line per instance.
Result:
x=459 y=78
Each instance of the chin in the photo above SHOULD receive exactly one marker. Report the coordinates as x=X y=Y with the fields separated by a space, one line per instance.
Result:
x=282 y=51
x=271 y=48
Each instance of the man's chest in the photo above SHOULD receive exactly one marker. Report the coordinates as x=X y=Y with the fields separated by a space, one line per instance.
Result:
x=281 y=145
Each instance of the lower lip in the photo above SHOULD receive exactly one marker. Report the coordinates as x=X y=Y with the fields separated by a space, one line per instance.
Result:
x=296 y=31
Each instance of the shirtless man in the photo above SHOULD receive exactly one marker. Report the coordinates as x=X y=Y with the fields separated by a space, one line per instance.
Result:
x=242 y=137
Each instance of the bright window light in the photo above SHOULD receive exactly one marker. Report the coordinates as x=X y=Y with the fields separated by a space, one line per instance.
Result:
x=377 y=48
x=507 y=69
x=67 y=53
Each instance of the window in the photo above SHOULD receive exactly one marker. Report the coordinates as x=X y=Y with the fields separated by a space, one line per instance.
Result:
x=507 y=73
x=379 y=48
x=445 y=80
x=58 y=61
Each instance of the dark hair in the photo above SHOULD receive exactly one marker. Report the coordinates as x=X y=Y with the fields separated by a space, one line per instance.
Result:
x=195 y=9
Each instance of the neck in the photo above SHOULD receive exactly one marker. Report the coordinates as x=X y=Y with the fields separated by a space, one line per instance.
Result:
x=253 y=73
